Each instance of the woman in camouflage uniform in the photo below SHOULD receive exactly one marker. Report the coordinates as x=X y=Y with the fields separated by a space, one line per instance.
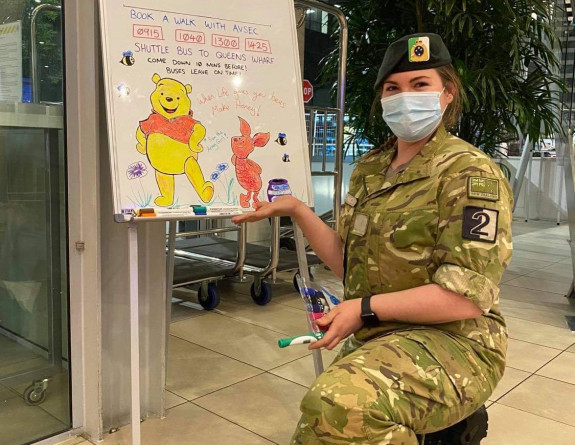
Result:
x=425 y=236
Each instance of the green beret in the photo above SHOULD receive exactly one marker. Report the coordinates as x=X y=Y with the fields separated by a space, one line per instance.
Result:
x=411 y=53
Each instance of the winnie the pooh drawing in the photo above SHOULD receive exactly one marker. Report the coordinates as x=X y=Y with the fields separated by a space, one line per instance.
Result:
x=170 y=137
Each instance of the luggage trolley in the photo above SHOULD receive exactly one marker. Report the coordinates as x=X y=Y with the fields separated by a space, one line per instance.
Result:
x=197 y=260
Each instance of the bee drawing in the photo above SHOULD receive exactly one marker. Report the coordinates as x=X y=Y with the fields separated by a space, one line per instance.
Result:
x=282 y=139
x=127 y=58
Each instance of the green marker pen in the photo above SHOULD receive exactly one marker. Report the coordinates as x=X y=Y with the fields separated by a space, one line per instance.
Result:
x=299 y=340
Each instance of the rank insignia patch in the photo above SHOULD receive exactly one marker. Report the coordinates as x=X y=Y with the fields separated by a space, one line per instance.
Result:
x=480 y=224
x=418 y=49
x=483 y=188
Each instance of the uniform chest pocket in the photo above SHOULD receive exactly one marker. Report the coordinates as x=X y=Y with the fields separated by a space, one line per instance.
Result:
x=412 y=228
x=406 y=241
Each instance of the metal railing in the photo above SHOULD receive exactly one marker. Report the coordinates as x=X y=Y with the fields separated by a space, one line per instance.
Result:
x=340 y=106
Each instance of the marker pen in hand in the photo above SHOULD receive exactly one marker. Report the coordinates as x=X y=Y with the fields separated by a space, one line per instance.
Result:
x=299 y=340
x=332 y=300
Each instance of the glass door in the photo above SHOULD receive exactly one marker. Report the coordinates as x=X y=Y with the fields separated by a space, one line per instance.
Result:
x=34 y=348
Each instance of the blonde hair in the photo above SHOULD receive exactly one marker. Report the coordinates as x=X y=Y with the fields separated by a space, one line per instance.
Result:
x=452 y=83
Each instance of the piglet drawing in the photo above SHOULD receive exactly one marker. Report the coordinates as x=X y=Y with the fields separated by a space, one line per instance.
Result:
x=247 y=171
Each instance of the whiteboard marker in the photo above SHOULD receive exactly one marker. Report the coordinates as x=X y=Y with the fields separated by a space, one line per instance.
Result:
x=299 y=340
x=231 y=210
x=146 y=213
x=179 y=211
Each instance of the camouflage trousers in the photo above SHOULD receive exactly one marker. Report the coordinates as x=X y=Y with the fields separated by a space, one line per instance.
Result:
x=390 y=388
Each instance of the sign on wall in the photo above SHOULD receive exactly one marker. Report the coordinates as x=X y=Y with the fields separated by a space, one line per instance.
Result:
x=307 y=91
x=11 y=62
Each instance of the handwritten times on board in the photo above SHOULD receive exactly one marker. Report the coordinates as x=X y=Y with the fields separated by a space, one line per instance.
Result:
x=204 y=103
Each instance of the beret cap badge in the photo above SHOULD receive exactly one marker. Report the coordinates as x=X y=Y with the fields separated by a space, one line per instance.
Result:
x=418 y=48
x=424 y=51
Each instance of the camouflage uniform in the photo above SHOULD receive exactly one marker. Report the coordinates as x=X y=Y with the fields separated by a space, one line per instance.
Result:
x=445 y=219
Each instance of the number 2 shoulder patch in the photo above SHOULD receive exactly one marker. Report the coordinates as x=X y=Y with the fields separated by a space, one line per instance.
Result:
x=480 y=224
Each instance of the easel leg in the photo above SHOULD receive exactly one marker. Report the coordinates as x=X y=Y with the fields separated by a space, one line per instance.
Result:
x=134 y=333
x=169 y=287
x=304 y=272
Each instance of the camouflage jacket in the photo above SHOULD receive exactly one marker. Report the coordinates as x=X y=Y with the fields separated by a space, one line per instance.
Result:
x=445 y=219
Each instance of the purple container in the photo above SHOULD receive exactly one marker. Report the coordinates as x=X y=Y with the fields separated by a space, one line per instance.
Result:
x=278 y=187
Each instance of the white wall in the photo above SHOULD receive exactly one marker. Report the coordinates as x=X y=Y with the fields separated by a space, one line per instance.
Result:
x=544 y=189
x=543 y=193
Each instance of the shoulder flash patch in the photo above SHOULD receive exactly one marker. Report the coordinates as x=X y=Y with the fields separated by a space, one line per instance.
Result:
x=480 y=224
x=483 y=188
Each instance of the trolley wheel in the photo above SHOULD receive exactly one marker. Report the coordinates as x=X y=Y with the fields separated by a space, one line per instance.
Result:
x=294 y=281
x=211 y=300
x=287 y=243
x=34 y=395
x=264 y=296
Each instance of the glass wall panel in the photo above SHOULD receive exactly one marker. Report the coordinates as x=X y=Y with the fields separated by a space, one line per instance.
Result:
x=34 y=365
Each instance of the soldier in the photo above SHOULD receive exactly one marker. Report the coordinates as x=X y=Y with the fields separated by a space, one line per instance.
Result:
x=424 y=239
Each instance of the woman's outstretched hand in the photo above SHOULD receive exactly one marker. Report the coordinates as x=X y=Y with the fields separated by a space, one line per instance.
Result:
x=339 y=323
x=282 y=206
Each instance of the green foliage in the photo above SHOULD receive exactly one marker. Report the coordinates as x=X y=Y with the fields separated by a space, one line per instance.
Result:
x=503 y=51
x=50 y=49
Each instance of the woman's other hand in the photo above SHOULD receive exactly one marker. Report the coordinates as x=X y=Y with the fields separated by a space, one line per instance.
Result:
x=282 y=206
x=342 y=321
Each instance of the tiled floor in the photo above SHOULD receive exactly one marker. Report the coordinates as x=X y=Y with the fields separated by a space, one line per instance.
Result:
x=228 y=383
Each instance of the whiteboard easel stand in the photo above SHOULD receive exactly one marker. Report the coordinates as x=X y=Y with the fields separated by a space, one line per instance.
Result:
x=134 y=297
x=170 y=260
x=304 y=273
x=134 y=333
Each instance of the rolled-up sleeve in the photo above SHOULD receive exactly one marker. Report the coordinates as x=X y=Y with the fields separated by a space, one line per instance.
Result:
x=473 y=245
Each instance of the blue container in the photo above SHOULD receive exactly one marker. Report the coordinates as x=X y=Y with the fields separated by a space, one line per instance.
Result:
x=278 y=187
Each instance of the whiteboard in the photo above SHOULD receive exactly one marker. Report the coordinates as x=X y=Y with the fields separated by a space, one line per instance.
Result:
x=204 y=103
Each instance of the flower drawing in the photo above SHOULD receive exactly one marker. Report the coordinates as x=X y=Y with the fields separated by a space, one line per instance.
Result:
x=137 y=170
x=215 y=176
x=222 y=167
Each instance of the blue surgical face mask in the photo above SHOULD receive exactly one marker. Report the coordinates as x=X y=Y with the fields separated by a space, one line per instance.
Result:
x=413 y=116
